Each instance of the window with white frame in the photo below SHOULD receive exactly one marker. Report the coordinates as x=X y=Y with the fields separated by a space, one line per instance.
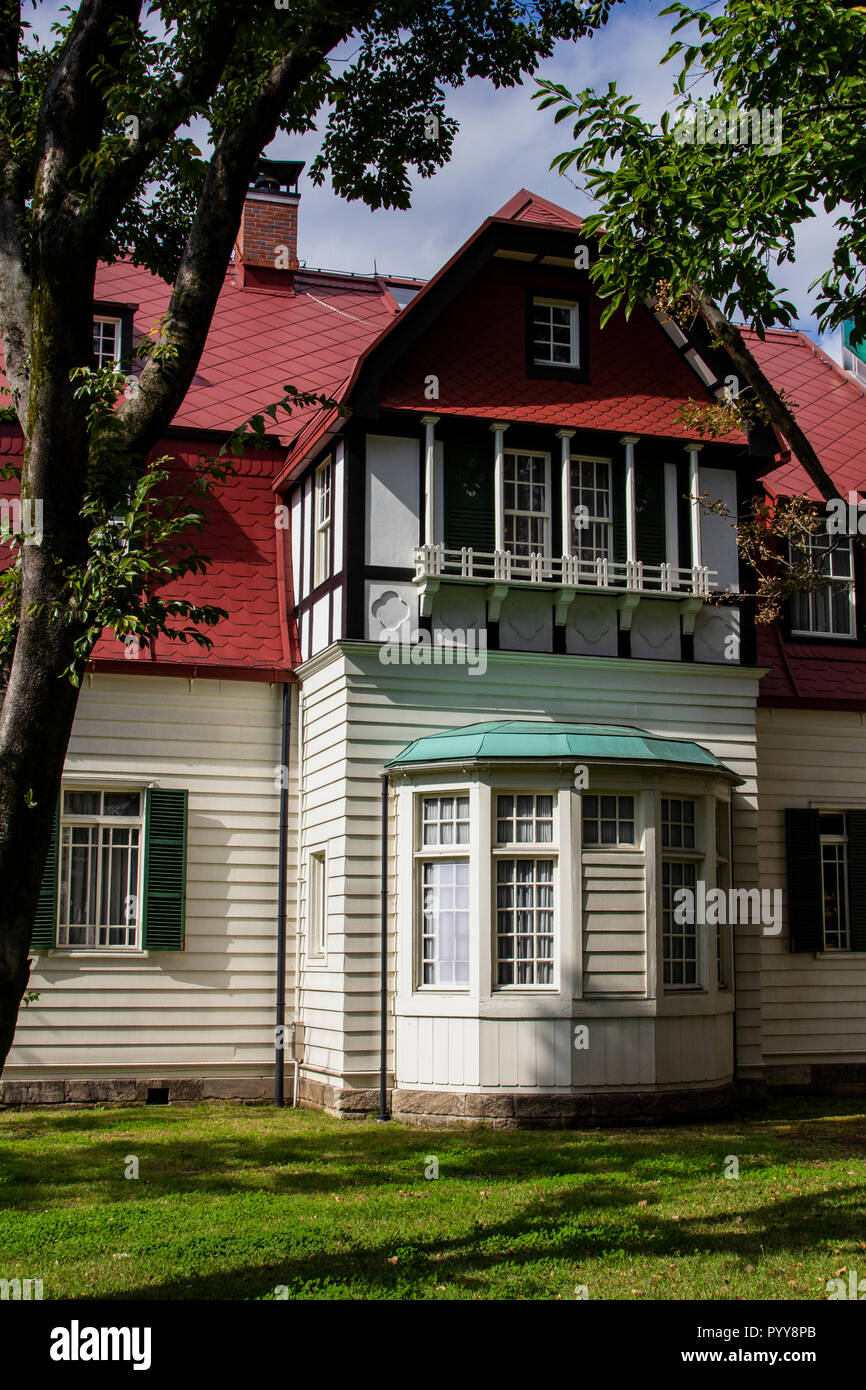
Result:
x=317 y=906
x=106 y=341
x=829 y=611
x=679 y=937
x=591 y=509
x=680 y=963
x=526 y=522
x=323 y=517
x=608 y=820
x=100 y=868
x=833 y=833
x=525 y=890
x=723 y=881
x=444 y=886
x=555 y=332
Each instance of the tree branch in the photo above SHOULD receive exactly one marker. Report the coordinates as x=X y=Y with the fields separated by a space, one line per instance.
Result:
x=165 y=380
x=777 y=411
x=14 y=278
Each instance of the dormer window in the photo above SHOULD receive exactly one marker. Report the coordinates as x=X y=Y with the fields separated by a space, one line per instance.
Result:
x=828 y=612
x=106 y=341
x=555 y=336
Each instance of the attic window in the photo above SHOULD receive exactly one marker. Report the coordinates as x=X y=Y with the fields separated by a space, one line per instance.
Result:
x=106 y=341
x=555 y=335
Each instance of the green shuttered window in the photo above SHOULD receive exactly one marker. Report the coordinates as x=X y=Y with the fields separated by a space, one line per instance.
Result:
x=826 y=879
x=45 y=922
x=163 y=917
x=86 y=894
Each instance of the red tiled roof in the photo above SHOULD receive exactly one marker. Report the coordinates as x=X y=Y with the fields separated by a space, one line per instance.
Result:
x=829 y=405
x=531 y=207
x=476 y=347
x=261 y=340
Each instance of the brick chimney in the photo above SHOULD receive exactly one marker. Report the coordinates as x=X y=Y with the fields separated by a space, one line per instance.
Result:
x=266 y=250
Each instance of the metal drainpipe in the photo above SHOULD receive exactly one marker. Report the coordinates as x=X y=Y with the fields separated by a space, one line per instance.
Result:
x=383 y=1115
x=282 y=869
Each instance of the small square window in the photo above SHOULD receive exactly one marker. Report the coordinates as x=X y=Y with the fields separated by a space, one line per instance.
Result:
x=555 y=335
x=608 y=820
x=678 y=823
x=524 y=819
x=445 y=820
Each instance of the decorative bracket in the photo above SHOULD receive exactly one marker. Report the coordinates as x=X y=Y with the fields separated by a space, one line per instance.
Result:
x=495 y=595
x=428 y=589
x=689 y=611
x=626 y=605
x=563 y=601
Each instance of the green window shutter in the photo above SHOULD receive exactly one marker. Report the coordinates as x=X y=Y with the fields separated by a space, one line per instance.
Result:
x=857 y=878
x=650 y=507
x=617 y=488
x=805 y=904
x=45 y=922
x=469 y=499
x=163 y=910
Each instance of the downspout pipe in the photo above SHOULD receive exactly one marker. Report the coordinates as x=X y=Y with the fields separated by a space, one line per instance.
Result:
x=383 y=1115
x=282 y=872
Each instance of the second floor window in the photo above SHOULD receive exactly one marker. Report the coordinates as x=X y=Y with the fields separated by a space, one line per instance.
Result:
x=324 y=505
x=106 y=341
x=828 y=611
x=591 y=509
x=526 y=529
x=555 y=333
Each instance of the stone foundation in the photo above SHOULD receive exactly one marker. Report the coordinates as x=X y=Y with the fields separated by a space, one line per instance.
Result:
x=552 y=1110
x=81 y=1093
x=817 y=1078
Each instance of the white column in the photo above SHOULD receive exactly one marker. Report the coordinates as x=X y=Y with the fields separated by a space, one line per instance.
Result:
x=566 y=436
x=694 y=505
x=430 y=422
x=499 y=428
x=629 y=440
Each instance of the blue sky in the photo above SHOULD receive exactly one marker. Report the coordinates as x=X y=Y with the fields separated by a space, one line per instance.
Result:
x=504 y=144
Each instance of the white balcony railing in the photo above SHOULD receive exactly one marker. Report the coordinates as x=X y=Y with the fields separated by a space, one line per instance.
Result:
x=562 y=572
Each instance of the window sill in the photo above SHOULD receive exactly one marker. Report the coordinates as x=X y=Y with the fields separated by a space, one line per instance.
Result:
x=840 y=955
x=88 y=952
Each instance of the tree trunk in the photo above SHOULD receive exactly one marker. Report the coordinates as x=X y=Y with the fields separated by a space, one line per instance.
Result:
x=777 y=411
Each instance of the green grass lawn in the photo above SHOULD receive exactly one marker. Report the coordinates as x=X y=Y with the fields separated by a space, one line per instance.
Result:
x=233 y=1201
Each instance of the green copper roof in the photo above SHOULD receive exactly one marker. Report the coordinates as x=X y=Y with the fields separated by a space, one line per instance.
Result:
x=518 y=739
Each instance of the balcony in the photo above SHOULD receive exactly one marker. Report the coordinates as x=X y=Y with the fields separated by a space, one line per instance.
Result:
x=564 y=577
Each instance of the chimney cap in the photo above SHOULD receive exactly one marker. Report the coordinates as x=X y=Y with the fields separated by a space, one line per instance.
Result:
x=277 y=176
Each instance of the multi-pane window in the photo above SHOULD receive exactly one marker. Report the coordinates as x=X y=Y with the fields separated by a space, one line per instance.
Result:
x=317 y=905
x=828 y=611
x=445 y=820
x=723 y=881
x=524 y=921
x=591 y=509
x=526 y=523
x=445 y=922
x=524 y=819
x=100 y=844
x=323 y=504
x=680 y=938
x=678 y=824
x=555 y=337
x=834 y=880
x=106 y=342
x=608 y=820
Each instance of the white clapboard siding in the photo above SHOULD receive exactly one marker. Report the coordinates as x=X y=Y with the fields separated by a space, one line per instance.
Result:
x=211 y=1006
x=813 y=1010
x=614 y=924
x=358 y=714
